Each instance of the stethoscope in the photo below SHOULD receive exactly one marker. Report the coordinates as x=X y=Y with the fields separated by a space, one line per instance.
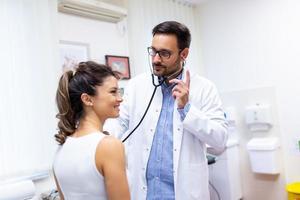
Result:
x=161 y=80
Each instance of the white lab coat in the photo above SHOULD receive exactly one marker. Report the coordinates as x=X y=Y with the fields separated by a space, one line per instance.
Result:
x=203 y=124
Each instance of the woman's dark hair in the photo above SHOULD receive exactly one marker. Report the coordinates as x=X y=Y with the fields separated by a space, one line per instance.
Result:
x=181 y=32
x=72 y=84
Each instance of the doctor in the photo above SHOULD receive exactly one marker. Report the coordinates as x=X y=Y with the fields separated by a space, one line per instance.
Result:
x=166 y=155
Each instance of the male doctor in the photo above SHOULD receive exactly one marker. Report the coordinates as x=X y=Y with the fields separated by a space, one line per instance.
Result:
x=166 y=155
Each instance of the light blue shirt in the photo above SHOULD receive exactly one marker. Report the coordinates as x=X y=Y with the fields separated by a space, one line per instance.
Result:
x=159 y=174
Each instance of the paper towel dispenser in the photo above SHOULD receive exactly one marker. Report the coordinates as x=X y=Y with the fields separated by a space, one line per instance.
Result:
x=259 y=117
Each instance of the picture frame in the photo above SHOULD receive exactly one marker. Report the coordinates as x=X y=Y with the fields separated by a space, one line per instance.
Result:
x=119 y=64
x=71 y=53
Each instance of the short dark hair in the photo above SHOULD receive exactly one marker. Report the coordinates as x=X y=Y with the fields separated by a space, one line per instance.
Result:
x=181 y=32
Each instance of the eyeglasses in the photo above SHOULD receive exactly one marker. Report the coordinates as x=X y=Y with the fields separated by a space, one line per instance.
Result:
x=164 y=54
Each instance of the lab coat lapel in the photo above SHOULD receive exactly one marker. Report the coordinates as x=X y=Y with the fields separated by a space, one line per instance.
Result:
x=177 y=138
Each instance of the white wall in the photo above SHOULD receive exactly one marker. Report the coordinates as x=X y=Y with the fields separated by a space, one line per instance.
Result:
x=104 y=38
x=253 y=44
x=256 y=186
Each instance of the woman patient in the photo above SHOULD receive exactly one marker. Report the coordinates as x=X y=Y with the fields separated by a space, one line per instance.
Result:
x=89 y=164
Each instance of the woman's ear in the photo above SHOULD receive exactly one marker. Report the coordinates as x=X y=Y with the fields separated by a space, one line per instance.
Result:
x=86 y=99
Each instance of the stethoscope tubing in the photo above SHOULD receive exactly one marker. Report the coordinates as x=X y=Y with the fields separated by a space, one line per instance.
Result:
x=148 y=106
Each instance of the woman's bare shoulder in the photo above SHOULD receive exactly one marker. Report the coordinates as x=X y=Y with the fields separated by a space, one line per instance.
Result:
x=111 y=145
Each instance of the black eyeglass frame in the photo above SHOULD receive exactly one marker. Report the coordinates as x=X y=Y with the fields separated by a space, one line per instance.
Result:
x=167 y=56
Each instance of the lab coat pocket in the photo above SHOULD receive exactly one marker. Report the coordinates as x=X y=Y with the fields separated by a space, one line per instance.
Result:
x=195 y=181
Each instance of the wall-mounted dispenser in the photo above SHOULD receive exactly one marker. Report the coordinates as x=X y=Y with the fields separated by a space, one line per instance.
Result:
x=259 y=117
x=264 y=155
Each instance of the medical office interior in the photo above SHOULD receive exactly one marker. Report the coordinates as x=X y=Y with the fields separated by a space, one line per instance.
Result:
x=249 y=48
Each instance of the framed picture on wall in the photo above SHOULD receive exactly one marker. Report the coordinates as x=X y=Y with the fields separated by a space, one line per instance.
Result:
x=71 y=53
x=120 y=64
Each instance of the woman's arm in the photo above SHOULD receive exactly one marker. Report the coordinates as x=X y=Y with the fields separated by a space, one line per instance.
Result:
x=110 y=161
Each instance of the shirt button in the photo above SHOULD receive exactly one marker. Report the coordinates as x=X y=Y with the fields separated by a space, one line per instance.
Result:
x=144 y=187
x=156 y=110
x=175 y=149
x=151 y=130
x=178 y=129
x=143 y=168
x=147 y=149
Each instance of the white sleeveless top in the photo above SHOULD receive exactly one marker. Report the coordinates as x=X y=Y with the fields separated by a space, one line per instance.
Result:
x=75 y=168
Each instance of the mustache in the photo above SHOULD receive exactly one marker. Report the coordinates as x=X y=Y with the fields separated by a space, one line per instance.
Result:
x=157 y=65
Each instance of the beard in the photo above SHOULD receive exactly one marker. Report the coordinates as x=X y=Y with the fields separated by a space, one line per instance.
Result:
x=171 y=70
x=159 y=69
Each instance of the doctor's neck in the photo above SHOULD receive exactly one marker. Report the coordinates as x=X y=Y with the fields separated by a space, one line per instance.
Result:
x=173 y=75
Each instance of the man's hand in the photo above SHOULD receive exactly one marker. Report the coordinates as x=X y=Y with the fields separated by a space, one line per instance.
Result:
x=181 y=91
